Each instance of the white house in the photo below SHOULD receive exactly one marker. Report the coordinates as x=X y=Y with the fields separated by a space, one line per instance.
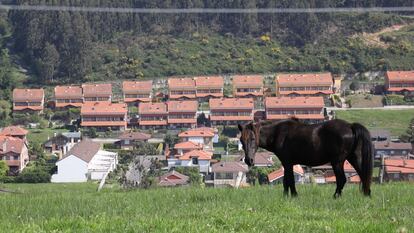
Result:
x=195 y=158
x=204 y=135
x=229 y=174
x=85 y=161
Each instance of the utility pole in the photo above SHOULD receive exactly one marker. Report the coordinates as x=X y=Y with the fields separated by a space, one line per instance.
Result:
x=381 y=170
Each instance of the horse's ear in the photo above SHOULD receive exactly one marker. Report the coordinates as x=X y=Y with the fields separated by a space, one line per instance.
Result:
x=240 y=127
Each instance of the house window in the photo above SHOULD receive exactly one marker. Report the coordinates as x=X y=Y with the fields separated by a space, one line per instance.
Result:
x=16 y=157
x=224 y=176
x=127 y=142
x=195 y=161
x=396 y=176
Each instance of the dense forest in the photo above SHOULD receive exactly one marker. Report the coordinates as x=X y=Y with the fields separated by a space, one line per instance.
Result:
x=64 y=47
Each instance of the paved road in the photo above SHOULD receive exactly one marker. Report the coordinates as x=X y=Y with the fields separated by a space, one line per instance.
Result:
x=395 y=107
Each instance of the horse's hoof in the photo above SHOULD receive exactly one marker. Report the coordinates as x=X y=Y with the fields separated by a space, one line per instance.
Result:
x=294 y=195
x=337 y=195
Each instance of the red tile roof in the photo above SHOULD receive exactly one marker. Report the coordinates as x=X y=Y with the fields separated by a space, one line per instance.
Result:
x=231 y=103
x=294 y=102
x=400 y=76
x=209 y=82
x=229 y=167
x=188 y=145
x=11 y=144
x=263 y=158
x=137 y=87
x=405 y=166
x=182 y=106
x=34 y=108
x=28 y=95
x=330 y=178
x=197 y=132
x=104 y=108
x=386 y=145
x=181 y=84
x=14 y=131
x=248 y=81
x=310 y=79
x=401 y=89
x=152 y=108
x=280 y=173
x=97 y=90
x=173 y=178
x=200 y=154
x=68 y=92
x=231 y=118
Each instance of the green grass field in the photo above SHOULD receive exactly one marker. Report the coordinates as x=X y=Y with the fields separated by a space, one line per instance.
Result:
x=42 y=135
x=79 y=208
x=396 y=121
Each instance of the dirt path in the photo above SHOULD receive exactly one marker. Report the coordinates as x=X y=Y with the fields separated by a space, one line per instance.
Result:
x=374 y=39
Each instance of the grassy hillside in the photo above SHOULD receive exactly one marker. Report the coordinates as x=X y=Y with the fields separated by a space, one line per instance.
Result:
x=78 y=208
x=396 y=121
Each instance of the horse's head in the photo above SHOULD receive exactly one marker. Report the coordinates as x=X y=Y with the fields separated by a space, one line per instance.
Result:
x=250 y=141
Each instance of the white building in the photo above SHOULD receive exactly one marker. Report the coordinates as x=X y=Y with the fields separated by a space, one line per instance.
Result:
x=195 y=158
x=204 y=135
x=85 y=161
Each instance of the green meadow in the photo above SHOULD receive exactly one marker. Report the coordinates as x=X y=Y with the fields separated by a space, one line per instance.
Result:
x=396 y=121
x=79 y=208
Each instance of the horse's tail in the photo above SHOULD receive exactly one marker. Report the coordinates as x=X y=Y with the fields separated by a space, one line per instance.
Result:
x=366 y=163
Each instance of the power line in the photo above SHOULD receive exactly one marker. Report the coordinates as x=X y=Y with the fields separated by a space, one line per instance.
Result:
x=204 y=10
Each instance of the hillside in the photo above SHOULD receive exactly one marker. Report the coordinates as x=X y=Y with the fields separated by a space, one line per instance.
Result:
x=72 y=47
x=78 y=208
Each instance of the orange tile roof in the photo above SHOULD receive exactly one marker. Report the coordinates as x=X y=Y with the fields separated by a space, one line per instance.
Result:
x=200 y=154
x=152 y=122
x=68 y=92
x=399 y=166
x=281 y=171
x=104 y=108
x=34 y=108
x=28 y=95
x=400 y=89
x=137 y=87
x=312 y=79
x=252 y=81
x=209 y=82
x=182 y=121
x=14 y=131
x=198 y=132
x=400 y=76
x=97 y=90
x=294 y=102
x=188 y=145
x=299 y=116
x=152 y=108
x=182 y=106
x=103 y=123
x=62 y=105
x=231 y=103
x=181 y=84
x=308 y=92
x=129 y=100
x=231 y=118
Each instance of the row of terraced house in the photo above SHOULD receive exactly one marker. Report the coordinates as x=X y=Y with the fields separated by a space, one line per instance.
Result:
x=297 y=95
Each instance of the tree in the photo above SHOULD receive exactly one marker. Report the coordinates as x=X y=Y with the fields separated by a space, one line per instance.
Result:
x=3 y=169
x=5 y=110
x=170 y=139
x=193 y=173
x=355 y=85
x=48 y=63
x=409 y=134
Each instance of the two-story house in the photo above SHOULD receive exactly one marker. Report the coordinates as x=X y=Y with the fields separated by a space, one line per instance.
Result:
x=97 y=92
x=399 y=82
x=28 y=100
x=152 y=115
x=14 y=152
x=181 y=89
x=203 y=135
x=136 y=92
x=309 y=109
x=250 y=86
x=68 y=96
x=182 y=114
x=390 y=149
x=231 y=111
x=209 y=87
x=104 y=115
x=310 y=84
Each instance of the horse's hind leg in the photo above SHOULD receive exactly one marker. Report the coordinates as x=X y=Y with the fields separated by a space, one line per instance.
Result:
x=290 y=180
x=338 y=168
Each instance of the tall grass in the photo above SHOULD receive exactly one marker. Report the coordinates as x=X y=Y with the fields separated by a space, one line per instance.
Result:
x=79 y=208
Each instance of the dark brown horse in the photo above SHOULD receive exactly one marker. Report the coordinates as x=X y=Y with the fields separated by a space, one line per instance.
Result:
x=294 y=142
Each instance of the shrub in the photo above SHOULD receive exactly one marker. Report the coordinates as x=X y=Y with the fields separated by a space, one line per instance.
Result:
x=34 y=175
